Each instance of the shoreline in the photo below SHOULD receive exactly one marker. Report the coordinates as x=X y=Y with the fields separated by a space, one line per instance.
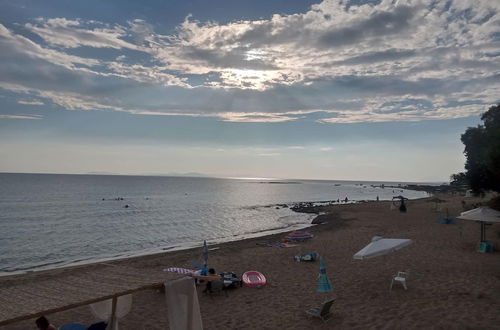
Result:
x=153 y=252
x=329 y=220
x=158 y=251
x=305 y=208
x=451 y=283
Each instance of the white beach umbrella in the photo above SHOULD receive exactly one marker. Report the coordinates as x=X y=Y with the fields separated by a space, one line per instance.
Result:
x=483 y=214
x=380 y=246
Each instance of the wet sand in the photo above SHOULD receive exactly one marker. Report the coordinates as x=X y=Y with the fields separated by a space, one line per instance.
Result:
x=451 y=285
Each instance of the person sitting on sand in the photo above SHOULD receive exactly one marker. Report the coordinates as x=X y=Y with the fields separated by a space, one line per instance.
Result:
x=43 y=324
x=208 y=287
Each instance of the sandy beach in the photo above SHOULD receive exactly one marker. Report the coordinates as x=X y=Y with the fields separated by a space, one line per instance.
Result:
x=452 y=286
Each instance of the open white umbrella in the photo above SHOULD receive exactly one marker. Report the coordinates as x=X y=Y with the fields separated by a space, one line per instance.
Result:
x=380 y=246
x=483 y=214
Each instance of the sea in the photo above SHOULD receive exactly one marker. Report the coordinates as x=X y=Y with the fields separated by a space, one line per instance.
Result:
x=56 y=220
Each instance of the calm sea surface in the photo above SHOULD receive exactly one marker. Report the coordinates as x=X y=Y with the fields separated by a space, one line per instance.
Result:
x=53 y=220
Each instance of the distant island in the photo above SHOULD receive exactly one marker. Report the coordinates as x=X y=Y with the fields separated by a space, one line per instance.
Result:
x=280 y=182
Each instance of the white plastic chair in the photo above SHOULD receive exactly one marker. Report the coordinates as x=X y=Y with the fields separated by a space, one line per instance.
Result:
x=401 y=277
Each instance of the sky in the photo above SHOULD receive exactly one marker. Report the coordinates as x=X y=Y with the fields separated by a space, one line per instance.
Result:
x=342 y=90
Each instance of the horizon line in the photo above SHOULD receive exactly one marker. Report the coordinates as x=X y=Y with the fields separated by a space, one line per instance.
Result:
x=248 y=178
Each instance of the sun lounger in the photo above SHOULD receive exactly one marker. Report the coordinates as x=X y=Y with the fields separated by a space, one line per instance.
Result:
x=322 y=312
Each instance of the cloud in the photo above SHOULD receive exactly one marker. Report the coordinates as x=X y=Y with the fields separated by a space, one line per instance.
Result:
x=377 y=25
x=339 y=62
x=33 y=102
x=255 y=117
x=67 y=100
x=274 y=154
x=14 y=44
x=146 y=74
x=31 y=117
x=72 y=34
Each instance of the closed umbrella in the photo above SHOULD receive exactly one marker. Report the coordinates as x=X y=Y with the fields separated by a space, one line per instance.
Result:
x=380 y=246
x=324 y=284
x=204 y=270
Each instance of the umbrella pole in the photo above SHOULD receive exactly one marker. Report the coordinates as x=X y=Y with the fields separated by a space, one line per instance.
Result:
x=112 y=321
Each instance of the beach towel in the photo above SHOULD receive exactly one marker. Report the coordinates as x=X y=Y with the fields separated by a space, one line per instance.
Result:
x=277 y=244
x=446 y=221
x=179 y=270
x=183 y=307
x=298 y=236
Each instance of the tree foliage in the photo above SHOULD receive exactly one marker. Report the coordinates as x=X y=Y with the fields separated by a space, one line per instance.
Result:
x=482 y=150
x=459 y=180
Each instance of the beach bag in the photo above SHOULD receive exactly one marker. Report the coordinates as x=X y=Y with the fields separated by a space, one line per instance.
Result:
x=306 y=257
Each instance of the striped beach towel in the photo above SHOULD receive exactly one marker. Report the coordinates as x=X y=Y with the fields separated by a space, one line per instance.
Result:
x=179 y=270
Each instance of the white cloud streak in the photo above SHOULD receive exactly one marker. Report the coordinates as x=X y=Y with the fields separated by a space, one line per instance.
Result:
x=18 y=44
x=28 y=102
x=30 y=117
x=70 y=34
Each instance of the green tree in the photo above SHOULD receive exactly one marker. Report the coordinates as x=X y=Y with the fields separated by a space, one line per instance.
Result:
x=482 y=150
x=459 y=180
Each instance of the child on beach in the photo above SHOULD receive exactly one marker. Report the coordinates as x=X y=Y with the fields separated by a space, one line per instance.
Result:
x=208 y=287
